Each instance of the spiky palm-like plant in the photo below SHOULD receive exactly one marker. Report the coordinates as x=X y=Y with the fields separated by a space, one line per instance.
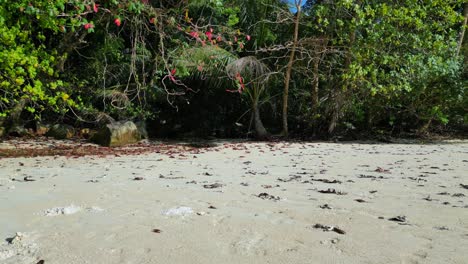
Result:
x=257 y=75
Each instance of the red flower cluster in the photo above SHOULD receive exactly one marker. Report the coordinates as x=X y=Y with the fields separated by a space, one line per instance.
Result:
x=194 y=34
x=88 y=26
x=172 y=74
x=209 y=35
x=241 y=82
x=117 y=22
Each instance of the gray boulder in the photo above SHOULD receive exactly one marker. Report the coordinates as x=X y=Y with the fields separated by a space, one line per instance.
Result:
x=42 y=129
x=117 y=134
x=61 y=131
x=18 y=131
x=141 y=126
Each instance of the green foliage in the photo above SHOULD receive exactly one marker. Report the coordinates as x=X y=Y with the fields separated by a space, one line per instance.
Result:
x=26 y=64
x=399 y=57
x=381 y=63
x=205 y=62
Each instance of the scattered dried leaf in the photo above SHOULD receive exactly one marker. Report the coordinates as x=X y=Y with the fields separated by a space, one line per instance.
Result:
x=382 y=170
x=400 y=219
x=266 y=196
x=212 y=186
x=332 y=191
x=330 y=228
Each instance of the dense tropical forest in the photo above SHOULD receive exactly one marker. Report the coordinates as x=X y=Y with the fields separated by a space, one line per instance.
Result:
x=198 y=68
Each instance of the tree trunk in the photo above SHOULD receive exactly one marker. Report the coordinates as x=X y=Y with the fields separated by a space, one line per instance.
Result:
x=315 y=85
x=462 y=33
x=260 y=131
x=287 y=78
x=424 y=129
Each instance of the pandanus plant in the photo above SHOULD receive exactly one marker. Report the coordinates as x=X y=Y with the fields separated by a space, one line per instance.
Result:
x=252 y=76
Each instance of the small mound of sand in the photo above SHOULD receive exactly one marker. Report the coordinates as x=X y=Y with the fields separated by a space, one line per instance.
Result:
x=67 y=210
x=181 y=211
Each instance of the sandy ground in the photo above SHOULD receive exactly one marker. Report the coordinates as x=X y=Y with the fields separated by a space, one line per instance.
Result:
x=240 y=203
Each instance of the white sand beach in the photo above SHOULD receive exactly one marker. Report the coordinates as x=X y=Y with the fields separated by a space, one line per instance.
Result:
x=240 y=203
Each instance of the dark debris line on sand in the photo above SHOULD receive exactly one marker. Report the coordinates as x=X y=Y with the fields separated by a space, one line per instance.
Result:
x=80 y=149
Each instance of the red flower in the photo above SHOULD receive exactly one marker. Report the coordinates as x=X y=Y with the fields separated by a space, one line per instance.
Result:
x=247 y=37
x=171 y=75
x=194 y=34
x=209 y=35
x=88 y=26
x=153 y=20
x=241 y=82
x=117 y=22
x=95 y=8
x=219 y=38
